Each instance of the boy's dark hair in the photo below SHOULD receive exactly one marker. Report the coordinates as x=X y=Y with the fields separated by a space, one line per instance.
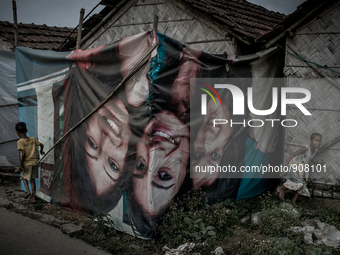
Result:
x=315 y=135
x=20 y=127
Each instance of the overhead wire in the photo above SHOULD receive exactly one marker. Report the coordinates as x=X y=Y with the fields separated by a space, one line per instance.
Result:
x=224 y=15
x=308 y=61
x=78 y=26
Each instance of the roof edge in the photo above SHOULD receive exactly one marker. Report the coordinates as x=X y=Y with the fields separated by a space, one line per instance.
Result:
x=286 y=27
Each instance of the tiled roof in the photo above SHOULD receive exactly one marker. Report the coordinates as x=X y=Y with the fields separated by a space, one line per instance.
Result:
x=284 y=28
x=248 y=21
x=245 y=19
x=35 y=36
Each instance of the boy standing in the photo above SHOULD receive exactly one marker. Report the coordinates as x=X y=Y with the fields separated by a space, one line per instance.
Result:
x=28 y=160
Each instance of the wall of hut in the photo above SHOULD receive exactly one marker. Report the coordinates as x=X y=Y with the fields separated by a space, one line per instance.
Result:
x=318 y=42
x=5 y=46
x=174 y=20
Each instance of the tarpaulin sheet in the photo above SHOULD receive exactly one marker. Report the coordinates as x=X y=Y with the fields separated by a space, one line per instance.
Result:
x=132 y=156
x=9 y=156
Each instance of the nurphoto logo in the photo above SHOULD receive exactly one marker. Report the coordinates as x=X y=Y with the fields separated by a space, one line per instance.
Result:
x=239 y=104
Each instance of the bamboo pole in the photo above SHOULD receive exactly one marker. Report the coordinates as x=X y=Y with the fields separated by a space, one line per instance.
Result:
x=9 y=141
x=14 y=6
x=106 y=18
x=80 y=28
x=328 y=145
x=330 y=80
x=155 y=22
x=6 y=105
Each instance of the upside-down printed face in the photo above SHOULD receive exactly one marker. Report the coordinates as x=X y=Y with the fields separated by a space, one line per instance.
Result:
x=106 y=145
x=209 y=144
x=162 y=158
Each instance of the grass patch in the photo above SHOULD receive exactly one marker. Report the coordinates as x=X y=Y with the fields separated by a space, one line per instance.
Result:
x=191 y=219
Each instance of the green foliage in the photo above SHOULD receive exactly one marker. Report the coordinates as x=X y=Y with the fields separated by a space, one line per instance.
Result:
x=100 y=232
x=328 y=216
x=192 y=220
x=9 y=206
x=274 y=219
x=313 y=211
x=39 y=205
x=287 y=248
x=334 y=188
x=100 y=229
x=275 y=222
x=245 y=243
x=321 y=250
x=102 y=226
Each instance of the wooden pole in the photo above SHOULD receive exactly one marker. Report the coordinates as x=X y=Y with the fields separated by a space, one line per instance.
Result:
x=14 y=6
x=155 y=22
x=328 y=144
x=80 y=28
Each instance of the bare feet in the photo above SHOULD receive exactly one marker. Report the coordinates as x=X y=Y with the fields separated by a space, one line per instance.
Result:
x=27 y=195
x=282 y=193
x=32 y=200
x=295 y=197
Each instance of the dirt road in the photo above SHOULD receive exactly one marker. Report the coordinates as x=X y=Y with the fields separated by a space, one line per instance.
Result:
x=23 y=235
x=40 y=232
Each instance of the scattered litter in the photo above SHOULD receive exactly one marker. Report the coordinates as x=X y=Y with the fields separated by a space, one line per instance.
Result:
x=218 y=251
x=288 y=208
x=295 y=230
x=325 y=233
x=187 y=247
x=308 y=239
x=255 y=218
x=245 y=219
x=283 y=240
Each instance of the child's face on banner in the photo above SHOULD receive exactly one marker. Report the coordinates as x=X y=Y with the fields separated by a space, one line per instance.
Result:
x=210 y=142
x=106 y=145
x=162 y=159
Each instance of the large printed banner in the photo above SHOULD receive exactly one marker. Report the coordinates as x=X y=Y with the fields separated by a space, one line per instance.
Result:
x=140 y=149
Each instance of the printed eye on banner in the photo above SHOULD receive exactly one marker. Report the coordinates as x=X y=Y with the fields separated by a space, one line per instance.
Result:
x=238 y=103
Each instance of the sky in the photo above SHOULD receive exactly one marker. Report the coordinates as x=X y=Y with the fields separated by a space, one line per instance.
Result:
x=60 y=13
x=63 y=13
x=282 y=6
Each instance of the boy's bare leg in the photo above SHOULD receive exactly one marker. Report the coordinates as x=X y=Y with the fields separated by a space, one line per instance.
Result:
x=28 y=193
x=32 y=182
x=282 y=192
x=296 y=197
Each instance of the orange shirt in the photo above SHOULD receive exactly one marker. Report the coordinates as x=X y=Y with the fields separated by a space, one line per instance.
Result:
x=29 y=145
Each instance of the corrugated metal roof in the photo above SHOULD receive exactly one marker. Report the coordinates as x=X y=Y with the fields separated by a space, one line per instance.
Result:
x=40 y=37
